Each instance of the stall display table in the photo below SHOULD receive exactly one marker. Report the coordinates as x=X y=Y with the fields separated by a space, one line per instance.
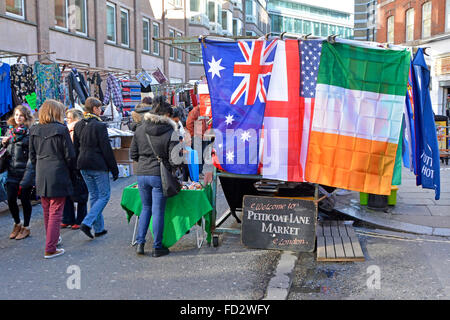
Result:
x=182 y=212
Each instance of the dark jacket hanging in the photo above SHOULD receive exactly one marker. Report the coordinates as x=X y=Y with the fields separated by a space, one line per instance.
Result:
x=77 y=82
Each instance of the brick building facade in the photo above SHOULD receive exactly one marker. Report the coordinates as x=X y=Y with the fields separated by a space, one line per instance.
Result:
x=118 y=33
x=421 y=23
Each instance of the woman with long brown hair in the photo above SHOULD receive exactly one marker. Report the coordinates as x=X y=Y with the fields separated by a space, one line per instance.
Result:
x=17 y=142
x=53 y=155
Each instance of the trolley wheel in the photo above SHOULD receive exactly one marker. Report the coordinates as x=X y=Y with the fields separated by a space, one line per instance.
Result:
x=215 y=241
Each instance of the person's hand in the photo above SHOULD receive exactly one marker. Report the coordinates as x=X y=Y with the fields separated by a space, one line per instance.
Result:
x=5 y=140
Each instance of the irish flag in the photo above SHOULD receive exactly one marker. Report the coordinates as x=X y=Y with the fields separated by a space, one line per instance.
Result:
x=360 y=96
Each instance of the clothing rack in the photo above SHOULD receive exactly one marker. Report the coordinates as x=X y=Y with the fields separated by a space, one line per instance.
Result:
x=20 y=55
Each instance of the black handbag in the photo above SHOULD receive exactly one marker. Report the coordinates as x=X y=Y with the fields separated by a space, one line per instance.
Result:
x=170 y=184
x=80 y=190
x=4 y=159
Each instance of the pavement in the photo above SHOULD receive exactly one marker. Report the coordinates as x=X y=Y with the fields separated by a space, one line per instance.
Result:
x=416 y=210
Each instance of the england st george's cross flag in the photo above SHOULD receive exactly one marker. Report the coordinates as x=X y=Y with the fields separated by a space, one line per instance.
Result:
x=238 y=75
x=289 y=109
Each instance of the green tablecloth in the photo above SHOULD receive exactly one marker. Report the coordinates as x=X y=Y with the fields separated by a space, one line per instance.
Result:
x=182 y=212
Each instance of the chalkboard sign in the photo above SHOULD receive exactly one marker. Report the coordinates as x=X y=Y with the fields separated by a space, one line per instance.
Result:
x=279 y=223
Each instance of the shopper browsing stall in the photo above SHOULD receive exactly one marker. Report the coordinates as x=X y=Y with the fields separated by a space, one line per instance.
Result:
x=95 y=159
x=17 y=143
x=159 y=129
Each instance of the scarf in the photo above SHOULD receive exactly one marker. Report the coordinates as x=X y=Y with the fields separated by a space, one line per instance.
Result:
x=17 y=134
x=88 y=115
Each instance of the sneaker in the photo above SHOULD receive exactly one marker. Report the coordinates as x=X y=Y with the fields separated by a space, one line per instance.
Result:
x=16 y=231
x=75 y=227
x=63 y=225
x=101 y=233
x=59 y=241
x=57 y=253
x=24 y=233
x=86 y=230
x=159 y=252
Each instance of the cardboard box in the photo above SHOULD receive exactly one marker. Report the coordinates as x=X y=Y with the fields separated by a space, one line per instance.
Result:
x=122 y=154
x=125 y=141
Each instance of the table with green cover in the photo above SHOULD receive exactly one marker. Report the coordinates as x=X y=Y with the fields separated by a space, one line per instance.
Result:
x=182 y=211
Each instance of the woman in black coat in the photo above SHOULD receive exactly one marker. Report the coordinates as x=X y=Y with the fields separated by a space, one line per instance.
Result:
x=17 y=143
x=95 y=159
x=53 y=155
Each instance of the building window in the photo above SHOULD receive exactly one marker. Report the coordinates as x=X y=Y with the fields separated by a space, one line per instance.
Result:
x=146 y=34
x=171 y=48
x=195 y=5
x=155 y=35
x=194 y=48
x=80 y=16
x=410 y=25
x=426 y=20
x=125 y=27
x=15 y=8
x=111 y=22
x=61 y=14
x=316 y=29
x=211 y=11
x=176 y=3
x=324 y=30
x=179 y=52
x=390 y=29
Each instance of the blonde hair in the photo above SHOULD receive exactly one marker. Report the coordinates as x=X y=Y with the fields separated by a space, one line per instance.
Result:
x=25 y=112
x=76 y=114
x=51 y=111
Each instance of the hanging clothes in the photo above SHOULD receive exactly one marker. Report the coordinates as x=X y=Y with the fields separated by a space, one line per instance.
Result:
x=95 y=85
x=64 y=91
x=77 y=82
x=47 y=81
x=6 y=103
x=22 y=81
x=193 y=97
x=113 y=91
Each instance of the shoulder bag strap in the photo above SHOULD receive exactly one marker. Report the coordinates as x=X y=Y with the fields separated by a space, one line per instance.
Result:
x=151 y=145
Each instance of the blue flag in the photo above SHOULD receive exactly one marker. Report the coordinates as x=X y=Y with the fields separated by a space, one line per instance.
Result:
x=427 y=150
x=409 y=139
x=238 y=75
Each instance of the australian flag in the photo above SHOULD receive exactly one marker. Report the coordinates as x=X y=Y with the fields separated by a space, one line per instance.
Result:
x=238 y=75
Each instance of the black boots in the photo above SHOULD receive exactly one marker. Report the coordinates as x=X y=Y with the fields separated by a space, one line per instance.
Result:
x=155 y=252
x=86 y=230
x=160 y=252
x=140 y=248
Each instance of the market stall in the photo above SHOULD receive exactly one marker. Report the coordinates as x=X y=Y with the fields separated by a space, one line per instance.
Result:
x=336 y=125
x=182 y=212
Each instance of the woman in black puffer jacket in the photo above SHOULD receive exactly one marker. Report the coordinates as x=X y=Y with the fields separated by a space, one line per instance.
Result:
x=19 y=184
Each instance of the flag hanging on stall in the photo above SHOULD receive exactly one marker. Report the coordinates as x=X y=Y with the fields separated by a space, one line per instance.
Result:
x=360 y=95
x=427 y=149
x=238 y=75
x=288 y=115
x=409 y=138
